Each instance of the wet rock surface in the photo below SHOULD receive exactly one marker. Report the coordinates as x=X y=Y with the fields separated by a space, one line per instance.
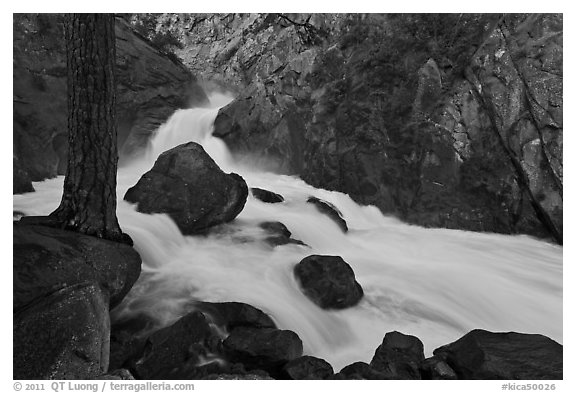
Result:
x=266 y=196
x=231 y=315
x=329 y=210
x=435 y=368
x=179 y=351
x=308 y=367
x=63 y=288
x=64 y=335
x=399 y=355
x=47 y=260
x=263 y=348
x=481 y=354
x=361 y=370
x=328 y=281
x=188 y=185
x=279 y=234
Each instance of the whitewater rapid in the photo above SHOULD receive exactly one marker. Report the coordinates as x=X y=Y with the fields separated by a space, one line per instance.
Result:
x=436 y=284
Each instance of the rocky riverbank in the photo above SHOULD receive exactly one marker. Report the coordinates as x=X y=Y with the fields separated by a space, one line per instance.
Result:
x=238 y=341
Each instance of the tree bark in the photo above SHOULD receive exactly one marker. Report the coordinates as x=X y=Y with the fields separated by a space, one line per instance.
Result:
x=89 y=200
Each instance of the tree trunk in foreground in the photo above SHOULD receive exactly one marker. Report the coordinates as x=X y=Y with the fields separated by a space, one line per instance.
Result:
x=89 y=200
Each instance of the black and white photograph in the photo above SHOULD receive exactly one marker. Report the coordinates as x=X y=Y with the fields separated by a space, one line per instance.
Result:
x=287 y=196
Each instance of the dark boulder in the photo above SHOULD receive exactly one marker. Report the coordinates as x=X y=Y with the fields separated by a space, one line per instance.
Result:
x=360 y=370
x=63 y=286
x=262 y=348
x=48 y=259
x=399 y=356
x=63 y=335
x=188 y=185
x=437 y=369
x=328 y=281
x=279 y=234
x=308 y=367
x=179 y=351
x=126 y=338
x=331 y=211
x=481 y=354
x=189 y=348
x=231 y=315
x=266 y=196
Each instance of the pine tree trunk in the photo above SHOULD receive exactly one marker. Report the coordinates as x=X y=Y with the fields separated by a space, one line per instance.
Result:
x=89 y=201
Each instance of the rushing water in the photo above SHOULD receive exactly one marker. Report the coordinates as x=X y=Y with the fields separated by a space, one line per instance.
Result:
x=436 y=284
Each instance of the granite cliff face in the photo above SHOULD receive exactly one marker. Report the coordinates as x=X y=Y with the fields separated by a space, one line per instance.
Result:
x=467 y=136
x=151 y=86
x=505 y=121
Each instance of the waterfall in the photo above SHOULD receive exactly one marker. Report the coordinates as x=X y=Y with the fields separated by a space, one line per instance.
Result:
x=436 y=284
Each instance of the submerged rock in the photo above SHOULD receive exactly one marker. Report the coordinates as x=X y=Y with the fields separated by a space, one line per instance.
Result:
x=328 y=281
x=231 y=315
x=188 y=185
x=266 y=196
x=399 y=356
x=481 y=354
x=280 y=235
x=308 y=367
x=331 y=211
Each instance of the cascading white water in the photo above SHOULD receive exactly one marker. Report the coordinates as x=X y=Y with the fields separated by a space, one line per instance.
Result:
x=436 y=284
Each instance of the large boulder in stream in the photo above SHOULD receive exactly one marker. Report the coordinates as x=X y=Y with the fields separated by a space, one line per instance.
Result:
x=64 y=284
x=481 y=354
x=188 y=185
x=328 y=281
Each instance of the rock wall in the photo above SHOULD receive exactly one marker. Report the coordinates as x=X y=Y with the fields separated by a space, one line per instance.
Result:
x=150 y=87
x=475 y=146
